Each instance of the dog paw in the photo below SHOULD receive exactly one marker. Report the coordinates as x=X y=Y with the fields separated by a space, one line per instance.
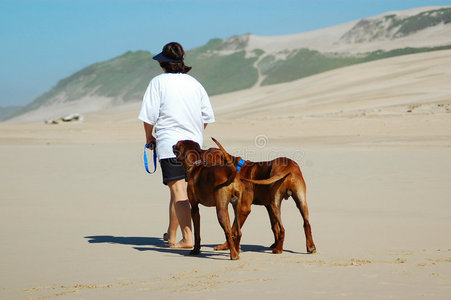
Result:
x=311 y=250
x=221 y=247
x=194 y=252
x=277 y=251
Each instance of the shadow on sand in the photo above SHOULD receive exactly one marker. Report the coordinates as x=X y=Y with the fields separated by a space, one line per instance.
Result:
x=159 y=245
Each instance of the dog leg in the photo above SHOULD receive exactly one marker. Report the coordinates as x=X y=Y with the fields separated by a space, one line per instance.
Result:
x=280 y=235
x=242 y=214
x=301 y=203
x=196 y=223
x=236 y=229
x=224 y=246
x=224 y=221
x=274 y=226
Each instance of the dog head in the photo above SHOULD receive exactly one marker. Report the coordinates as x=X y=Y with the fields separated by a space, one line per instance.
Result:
x=187 y=152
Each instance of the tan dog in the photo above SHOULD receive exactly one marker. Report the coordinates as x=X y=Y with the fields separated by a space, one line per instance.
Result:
x=213 y=185
x=268 y=195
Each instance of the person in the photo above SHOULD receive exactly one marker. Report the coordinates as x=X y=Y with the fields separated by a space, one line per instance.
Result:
x=177 y=107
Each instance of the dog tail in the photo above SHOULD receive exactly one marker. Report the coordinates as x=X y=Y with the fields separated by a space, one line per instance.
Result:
x=226 y=155
x=232 y=176
x=267 y=181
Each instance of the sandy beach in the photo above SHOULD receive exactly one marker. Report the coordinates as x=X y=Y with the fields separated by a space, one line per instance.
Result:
x=81 y=219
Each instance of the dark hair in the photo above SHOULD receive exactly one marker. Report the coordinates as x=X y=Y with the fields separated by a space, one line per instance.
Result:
x=174 y=51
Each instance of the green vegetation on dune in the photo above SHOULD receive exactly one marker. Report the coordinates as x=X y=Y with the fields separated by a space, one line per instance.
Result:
x=304 y=62
x=211 y=45
x=224 y=65
x=124 y=77
x=394 y=26
x=127 y=76
x=223 y=73
x=380 y=54
x=420 y=21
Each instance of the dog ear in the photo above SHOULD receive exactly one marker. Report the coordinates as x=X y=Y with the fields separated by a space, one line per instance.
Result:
x=177 y=146
x=176 y=149
x=196 y=146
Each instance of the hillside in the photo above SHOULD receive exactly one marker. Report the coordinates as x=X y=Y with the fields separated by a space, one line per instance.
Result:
x=417 y=28
x=402 y=86
x=7 y=111
x=242 y=62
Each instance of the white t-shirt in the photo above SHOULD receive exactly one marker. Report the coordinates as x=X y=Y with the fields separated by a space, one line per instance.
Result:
x=178 y=106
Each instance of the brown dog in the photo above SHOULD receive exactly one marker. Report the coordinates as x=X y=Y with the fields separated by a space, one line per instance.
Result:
x=214 y=185
x=211 y=186
x=268 y=195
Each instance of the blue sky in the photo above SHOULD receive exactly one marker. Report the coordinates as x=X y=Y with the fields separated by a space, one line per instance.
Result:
x=43 y=41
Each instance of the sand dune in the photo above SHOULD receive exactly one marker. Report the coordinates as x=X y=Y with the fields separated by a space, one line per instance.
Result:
x=372 y=102
x=80 y=218
x=381 y=87
x=328 y=39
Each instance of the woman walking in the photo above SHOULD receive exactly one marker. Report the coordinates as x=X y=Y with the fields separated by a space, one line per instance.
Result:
x=177 y=107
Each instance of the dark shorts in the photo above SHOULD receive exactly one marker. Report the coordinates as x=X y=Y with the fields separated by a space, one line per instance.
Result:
x=172 y=169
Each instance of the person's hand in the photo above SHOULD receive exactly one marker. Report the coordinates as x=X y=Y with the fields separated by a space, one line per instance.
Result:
x=151 y=144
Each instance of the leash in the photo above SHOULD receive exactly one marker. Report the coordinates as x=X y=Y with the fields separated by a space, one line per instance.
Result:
x=146 y=164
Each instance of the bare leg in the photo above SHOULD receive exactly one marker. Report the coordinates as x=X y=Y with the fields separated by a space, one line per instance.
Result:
x=183 y=212
x=173 y=223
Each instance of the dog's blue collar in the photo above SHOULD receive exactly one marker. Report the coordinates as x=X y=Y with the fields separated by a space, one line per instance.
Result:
x=240 y=164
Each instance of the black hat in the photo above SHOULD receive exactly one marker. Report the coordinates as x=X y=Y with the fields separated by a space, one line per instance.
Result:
x=161 y=58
